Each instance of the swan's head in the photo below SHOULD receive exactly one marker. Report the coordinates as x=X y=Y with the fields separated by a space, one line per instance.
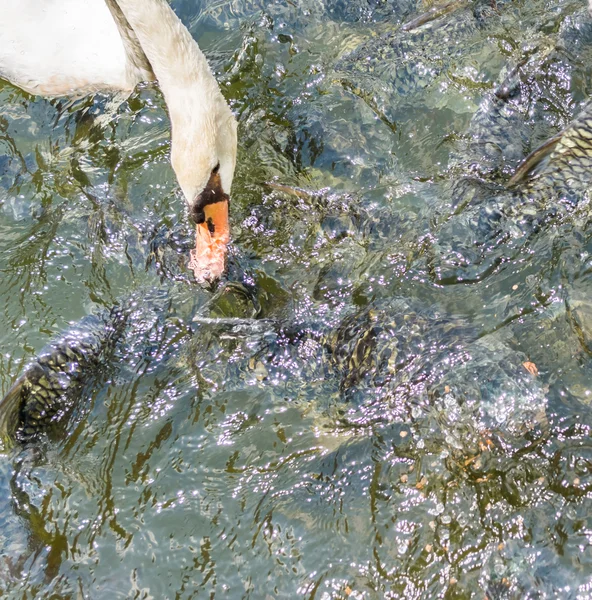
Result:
x=203 y=156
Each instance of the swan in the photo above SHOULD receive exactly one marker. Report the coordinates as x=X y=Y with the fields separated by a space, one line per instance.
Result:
x=79 y=47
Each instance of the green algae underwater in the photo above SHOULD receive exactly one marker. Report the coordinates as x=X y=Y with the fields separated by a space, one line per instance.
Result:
x=359 y=409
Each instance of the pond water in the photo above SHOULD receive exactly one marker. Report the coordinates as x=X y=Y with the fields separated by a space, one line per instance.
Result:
x=338 y=418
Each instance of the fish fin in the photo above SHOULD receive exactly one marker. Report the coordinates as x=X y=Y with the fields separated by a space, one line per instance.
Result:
x=534 y=159
x=434 y=13
x=10 y=410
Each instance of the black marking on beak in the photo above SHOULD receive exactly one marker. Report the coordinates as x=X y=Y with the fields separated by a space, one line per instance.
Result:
x=211 y=194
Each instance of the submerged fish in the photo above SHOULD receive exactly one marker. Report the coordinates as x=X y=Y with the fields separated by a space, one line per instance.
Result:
x=44 y=393
x=47 y=390
x=492 y=224
x=402 y=361
x=404 y=61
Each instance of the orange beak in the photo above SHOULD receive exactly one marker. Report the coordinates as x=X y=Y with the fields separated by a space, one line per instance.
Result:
x=208 y=260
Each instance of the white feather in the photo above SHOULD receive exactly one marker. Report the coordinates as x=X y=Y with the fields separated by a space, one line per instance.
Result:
x=76 y=47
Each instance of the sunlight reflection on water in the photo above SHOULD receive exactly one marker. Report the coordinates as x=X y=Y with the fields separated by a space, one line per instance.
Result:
x=332 y=421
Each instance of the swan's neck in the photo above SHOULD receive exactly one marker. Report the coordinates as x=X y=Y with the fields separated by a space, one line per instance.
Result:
x=174 y=56
x=202 y=125
x=138 y=66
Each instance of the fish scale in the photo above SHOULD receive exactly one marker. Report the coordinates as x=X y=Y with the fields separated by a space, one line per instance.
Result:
x=401 y=360
x=44 y=392
x=413 y=56
x=48 y=388
x=496 y=222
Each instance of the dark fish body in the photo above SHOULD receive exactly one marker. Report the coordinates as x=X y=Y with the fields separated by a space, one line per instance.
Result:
x=44 y=392
x=386 y=57
x=496 y=223
x=399 y=360
x=48 y=388
x=411 y=58
x=567 y=174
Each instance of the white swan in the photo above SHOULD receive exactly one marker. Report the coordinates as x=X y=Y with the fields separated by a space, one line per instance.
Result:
x=75 y=47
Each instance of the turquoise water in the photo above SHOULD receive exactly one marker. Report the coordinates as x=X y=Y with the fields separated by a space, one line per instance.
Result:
x=229 y=459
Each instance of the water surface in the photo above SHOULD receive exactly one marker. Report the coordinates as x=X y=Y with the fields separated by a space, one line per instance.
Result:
x=228 y=459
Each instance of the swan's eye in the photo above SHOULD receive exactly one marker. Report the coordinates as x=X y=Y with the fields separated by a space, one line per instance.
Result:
x=216 y=169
